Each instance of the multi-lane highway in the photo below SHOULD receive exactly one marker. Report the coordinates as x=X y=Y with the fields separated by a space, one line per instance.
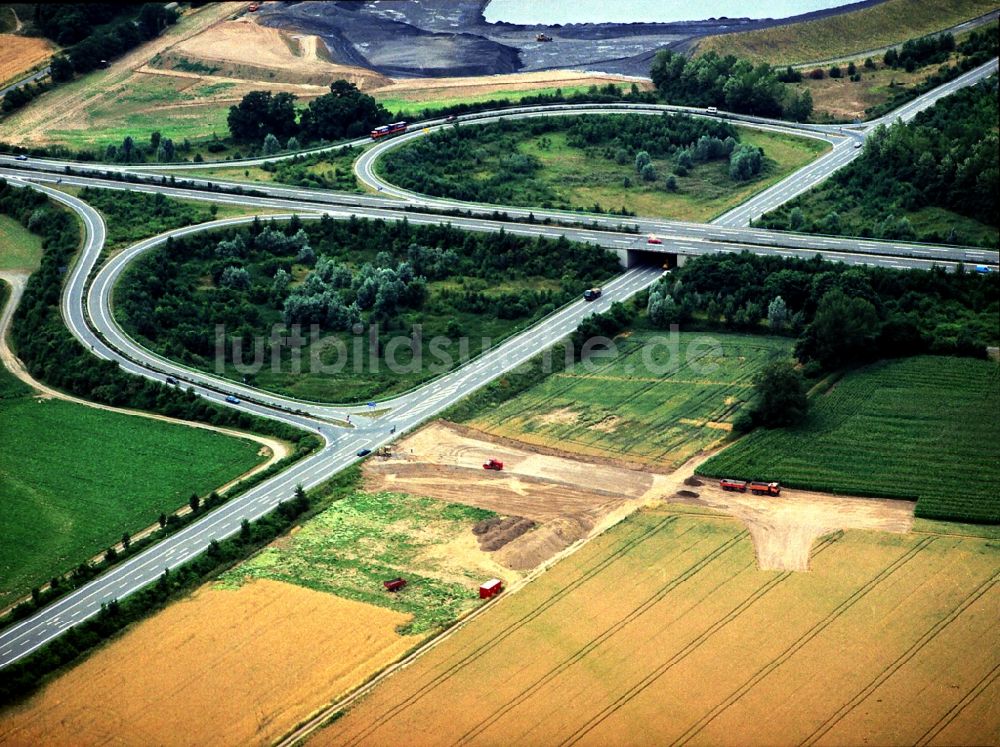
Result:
x=86 y=309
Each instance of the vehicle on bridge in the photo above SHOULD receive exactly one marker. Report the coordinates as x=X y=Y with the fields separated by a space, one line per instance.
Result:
x=591 y=294
x=983 y=269
x=493 y=464
x=653 y=239
x=232 y=400
x=389 y=129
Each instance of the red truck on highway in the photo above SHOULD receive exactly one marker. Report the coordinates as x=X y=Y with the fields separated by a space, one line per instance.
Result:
x=389 y=129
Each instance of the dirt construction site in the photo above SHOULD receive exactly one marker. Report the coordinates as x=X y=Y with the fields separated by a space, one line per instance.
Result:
x=567 y=499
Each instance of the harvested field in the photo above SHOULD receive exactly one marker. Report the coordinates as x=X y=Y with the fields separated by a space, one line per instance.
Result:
x=567 y=498
x=19 y=54
x=223 y=667
x=663 y=631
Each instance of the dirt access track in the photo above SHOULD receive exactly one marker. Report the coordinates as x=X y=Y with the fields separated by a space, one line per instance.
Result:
x=572 y=498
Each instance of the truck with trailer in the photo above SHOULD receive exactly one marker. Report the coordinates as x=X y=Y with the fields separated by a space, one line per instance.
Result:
x=739 y=486
x=389 y=129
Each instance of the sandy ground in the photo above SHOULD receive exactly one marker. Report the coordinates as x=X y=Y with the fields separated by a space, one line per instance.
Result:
x=274 y=449
x=19 y=54
x=786 y=527
x=243 y=49
x=664 y=631
x=223 y=667
x=430 y=88
x=571 y=498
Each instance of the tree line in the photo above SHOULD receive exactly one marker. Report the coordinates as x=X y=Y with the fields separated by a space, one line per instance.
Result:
x=272 y=119
x=840 y=315
x=728 y=82
x=946 y=157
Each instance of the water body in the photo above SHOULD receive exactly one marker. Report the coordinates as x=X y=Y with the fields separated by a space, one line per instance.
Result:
x=550 y=12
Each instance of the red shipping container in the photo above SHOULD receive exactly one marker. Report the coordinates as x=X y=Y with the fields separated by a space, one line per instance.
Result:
x=491 y=588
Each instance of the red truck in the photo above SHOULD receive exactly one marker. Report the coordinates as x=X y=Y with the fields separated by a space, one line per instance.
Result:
x=736 y=485
x=765 y=488
x=494 y=464
x=389 y=129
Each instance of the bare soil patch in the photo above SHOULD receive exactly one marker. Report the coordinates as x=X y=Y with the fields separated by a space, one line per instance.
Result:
x=224 y=667
x=244 y=50
x=565 y=499
x=786 y=527
x=19 y=54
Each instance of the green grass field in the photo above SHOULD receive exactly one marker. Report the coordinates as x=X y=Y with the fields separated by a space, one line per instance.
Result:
x=922 y=428
x=363 y=540
x=19 y=248
x=74 y=478
x=651 y=402
x=414 y=105
x=885 y=24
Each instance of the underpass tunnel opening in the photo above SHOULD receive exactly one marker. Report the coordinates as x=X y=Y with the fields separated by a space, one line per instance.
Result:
x=650 y=258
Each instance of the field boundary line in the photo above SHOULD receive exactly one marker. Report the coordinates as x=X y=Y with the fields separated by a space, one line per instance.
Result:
x=691 y=646
x=608 y=633
x=896 y=665
x=988 y=679
x=802 y=640
x=320 y=719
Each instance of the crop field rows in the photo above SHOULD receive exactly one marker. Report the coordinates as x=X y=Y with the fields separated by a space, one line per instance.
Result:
x=668 y=417
x=920 y=428
x=721 y=643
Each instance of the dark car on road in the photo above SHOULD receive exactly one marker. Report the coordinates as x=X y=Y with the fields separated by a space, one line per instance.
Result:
x=171 y=380
x=364 y=452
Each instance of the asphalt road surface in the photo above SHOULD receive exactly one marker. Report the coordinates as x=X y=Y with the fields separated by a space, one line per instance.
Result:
x=341 y=442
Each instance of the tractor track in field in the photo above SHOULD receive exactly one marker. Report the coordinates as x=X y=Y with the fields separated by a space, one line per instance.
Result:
x=477 y=652
x=901 y=660
x=692 y=646
x=652 y=600
x=800 y=642
x=988 y=679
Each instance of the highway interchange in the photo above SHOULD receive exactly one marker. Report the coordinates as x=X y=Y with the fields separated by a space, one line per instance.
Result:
x=86 y=309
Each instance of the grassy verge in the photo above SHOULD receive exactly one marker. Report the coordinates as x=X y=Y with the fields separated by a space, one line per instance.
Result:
x=66 y=495
x=921 y=428
x=368 y=538
x=20 y=249
x=885 y=24
x=413 y=105
x=658 y=399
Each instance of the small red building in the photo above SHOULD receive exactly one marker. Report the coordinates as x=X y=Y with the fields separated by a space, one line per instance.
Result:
x=491 y=588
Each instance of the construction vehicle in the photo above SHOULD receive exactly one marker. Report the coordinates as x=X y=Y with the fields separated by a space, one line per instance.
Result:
x=543 y=38
x=739 y=486
x=765 y=488
x=493 y=464
x=591 y=294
